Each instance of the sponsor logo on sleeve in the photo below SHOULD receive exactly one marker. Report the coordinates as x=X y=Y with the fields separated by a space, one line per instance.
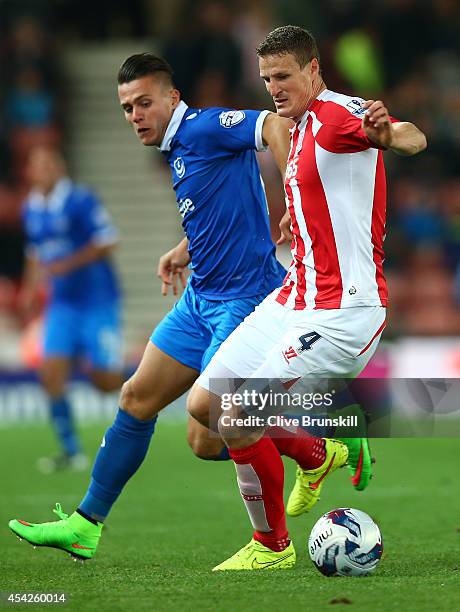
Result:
x=229 y=119
x=185 y=206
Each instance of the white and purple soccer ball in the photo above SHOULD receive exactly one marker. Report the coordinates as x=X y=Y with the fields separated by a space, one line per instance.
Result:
x=345 y=542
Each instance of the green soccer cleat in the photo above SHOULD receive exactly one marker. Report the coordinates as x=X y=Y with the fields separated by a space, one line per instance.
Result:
x=308 y=484
x=359 y=461
x=256 y=556
x=73 y=534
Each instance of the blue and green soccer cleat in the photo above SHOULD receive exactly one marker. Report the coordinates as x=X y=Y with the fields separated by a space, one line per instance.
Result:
x=73 y=534
x=359 y=461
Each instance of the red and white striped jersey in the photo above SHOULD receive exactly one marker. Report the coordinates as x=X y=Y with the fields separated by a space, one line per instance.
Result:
x=336 y=195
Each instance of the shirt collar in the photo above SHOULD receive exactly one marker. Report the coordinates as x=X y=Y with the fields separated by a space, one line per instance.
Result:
x=55 y=198
x=173 y=125
x=303 y=120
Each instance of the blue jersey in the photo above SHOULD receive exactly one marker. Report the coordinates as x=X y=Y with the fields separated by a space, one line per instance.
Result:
x=58 y=225
x=220 y=195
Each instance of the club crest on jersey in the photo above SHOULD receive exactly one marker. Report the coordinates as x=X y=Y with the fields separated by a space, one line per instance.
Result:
x=356 y=107
x=179 y=167
x=229 y=119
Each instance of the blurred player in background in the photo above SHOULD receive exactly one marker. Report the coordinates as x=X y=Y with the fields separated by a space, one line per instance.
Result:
x=70 y=238
x=211 y=154
x=327 y=318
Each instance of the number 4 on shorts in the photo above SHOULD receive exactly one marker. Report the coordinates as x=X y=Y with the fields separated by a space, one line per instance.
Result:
x=308 y=340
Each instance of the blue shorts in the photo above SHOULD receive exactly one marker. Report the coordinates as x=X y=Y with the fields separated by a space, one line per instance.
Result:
x=93 y=333
x=196 y=327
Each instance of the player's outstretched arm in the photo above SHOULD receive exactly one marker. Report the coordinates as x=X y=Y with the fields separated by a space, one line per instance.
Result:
x=407 y=139
x=84 y=256
x=275 y=134
x=403 y=138
x=172 y=265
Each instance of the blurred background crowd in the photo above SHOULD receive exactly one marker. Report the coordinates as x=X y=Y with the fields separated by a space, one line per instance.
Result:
x=406 y=52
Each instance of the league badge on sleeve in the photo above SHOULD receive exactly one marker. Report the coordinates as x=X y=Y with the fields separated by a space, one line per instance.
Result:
x=231 y=118
x=356 y=107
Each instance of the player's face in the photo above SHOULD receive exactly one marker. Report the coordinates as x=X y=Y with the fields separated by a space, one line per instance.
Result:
x=148 y=104
x=291 y=87
x=44 y=168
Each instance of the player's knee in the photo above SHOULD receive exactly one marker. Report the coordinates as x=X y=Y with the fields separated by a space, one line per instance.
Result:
x=204 y=448
x=203 y=451
x=54 y=386
x=136 y=404
x=198 y=404
x=52 y=389
x=126 y=395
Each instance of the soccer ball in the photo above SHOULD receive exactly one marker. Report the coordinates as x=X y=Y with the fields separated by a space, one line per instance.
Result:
x=345 y=542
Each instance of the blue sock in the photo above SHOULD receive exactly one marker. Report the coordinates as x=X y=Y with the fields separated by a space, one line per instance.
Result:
x=223 y=455
x=61 y=417
x=123 y=449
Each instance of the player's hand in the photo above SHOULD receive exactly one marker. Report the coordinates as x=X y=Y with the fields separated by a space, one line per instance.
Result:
x=377 y=123
x=285 y=229
x=172 y=270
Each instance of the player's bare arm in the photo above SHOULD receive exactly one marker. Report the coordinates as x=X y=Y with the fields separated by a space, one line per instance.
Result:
x=403 y=138
x=86 y=255
x=32 y=279
x=171 y=267
x=275 y=134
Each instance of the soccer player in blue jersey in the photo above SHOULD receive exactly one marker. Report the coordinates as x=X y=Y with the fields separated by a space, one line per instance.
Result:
x=211 y=153
x=70 y=238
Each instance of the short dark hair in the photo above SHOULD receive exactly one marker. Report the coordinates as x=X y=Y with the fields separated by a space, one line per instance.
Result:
x=290 y=39
x=144 y=64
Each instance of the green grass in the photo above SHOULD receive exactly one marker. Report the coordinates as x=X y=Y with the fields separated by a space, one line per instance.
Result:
x=179 y=516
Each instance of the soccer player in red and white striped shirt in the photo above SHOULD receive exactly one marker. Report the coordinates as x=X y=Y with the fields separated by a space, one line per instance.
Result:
x=327 y=318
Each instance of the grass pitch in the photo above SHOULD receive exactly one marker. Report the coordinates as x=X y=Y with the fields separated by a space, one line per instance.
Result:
x=178 y=517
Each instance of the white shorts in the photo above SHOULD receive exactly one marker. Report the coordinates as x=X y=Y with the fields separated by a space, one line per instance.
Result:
x=277 y=342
